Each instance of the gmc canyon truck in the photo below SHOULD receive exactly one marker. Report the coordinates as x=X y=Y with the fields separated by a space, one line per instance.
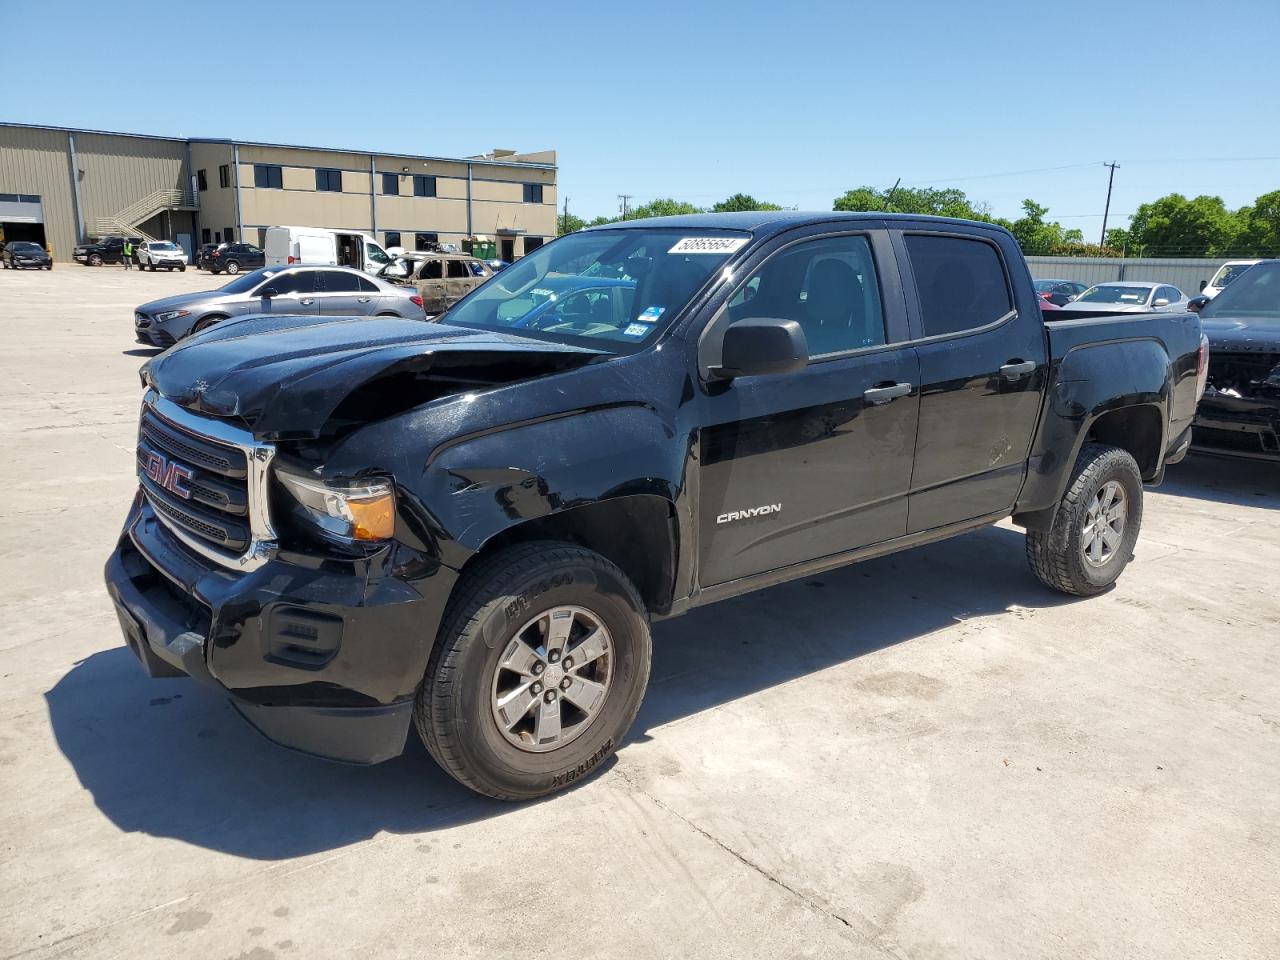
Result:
x=351 y=527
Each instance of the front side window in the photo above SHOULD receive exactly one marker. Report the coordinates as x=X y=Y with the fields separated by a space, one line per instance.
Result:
x=961 y=283
x=376 y=253
x=1254 y=295
x=296 y=283
x=828 y=286
x=1227 y=273
x=619 y=288
x=431 y=270
x=329 y=181
x=458 y=270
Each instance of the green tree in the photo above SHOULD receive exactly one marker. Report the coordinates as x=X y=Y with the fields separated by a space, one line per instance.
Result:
x=946 y=202
x=1259 y=234
x=1174 y=226
x=568 y=223
x=663 y=207
x=742 y=203
x=1039 y=237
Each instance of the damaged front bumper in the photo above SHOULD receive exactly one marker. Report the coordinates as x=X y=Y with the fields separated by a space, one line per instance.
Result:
x=320 y=654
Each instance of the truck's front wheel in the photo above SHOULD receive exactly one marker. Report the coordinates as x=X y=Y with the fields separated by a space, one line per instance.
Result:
x=1093 y=534
x=538 y=672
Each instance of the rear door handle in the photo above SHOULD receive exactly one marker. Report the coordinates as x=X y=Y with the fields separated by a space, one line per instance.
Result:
x=879 y=395
x=1017 y=369
x=307 y=302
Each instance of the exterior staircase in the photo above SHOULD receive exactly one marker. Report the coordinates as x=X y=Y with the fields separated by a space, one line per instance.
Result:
x=125 y=222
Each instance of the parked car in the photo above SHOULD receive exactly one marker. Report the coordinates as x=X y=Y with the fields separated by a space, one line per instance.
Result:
x=24 y=254
x=204 y=255
x=1060 y=292
x=320 y=246
x=105 y=250
x=497 y=265
x=297 y=291
x=442 y=279
x=1124 y=296
x=235 y=257
x=1240 y=412
x=469 y=525
x=1226 y=273
x=161 y=254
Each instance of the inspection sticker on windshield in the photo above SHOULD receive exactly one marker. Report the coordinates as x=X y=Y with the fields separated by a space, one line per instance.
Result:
x=651 y=314
x=709 y=245
x=636 y=330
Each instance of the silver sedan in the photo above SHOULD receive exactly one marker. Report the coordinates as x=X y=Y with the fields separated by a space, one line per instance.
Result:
x=1124 y=296
x=305 y=291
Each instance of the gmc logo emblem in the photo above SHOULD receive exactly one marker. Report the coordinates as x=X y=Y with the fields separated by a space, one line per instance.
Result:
x=168 y=474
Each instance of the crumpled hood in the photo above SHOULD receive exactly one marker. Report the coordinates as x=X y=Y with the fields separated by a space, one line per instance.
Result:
x=1241 y=335
x=284 y=376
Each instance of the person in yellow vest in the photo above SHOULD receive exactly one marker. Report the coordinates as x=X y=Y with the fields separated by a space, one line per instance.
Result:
x=128 y=254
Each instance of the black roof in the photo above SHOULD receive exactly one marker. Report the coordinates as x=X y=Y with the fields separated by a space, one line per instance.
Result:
x=763 y=222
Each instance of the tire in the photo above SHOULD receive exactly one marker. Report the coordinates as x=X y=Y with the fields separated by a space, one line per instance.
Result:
x=503 y=601
x=1058 y=555
x=233 y=267
x=182 y=269
x=95 y=259
x=204 y=323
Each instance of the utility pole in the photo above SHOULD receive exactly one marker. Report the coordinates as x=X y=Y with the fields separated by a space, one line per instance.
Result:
x=626 y=199
x=1107 y=209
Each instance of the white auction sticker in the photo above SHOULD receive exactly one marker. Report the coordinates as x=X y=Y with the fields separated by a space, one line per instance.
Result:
x=709 y=245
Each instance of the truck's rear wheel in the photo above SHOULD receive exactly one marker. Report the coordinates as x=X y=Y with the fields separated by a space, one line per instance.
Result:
x=1092 y=537
x=539 y=669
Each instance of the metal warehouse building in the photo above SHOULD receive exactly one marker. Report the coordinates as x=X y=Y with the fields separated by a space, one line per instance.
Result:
x=60 y=186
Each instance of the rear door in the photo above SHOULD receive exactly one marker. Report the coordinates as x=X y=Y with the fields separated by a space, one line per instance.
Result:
x=431 y=284
x=982 y=371
x=339 y=295
x=818 y=462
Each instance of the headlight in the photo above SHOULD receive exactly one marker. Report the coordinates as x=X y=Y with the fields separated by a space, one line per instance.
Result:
x=173 y=314
x=360 y=511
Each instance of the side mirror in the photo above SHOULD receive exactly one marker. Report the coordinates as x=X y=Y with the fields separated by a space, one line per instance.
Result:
x=1203 y=284
x=761 y=346
x=1196 y=304
x=1160 y=302
x=266 y=293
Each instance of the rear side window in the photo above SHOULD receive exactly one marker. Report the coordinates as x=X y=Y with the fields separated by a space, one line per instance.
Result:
x=367 y=285
x=335 y=281
x=961 y=283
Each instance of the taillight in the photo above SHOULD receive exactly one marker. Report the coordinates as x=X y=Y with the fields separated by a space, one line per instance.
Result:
x=215 y=254
x=417 y=301
x=1046 y=296
x=292 y=259
x=1202 y=367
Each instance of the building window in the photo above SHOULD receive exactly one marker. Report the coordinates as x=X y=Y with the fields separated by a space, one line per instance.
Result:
x=391 y=238
x=424 y=186
x=531 y=244
x=224 y=175
x=204 y=235
x=391 y=184
x=268 y=175
x=228 y=234
x=425 y=241
x=202 y=179
x=329 y=180
x=533 y=193
x=19 y=198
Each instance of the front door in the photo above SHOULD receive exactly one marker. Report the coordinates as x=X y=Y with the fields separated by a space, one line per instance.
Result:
x=804 y=465
x=295 y=293
x=982 y=366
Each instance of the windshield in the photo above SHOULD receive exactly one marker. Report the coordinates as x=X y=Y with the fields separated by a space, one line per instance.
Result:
x=247 y=281
x=1125 y=295
x=1228 y=272
x=611 y=289
x=1046 y=286
x=1256 y=295
x=23 y=246
x=163 y=246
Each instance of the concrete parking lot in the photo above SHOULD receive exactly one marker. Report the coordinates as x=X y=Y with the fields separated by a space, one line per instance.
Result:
x=927 y=755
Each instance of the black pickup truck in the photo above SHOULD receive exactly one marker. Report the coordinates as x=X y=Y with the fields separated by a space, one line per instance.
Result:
x=351 y=526
x=104 y=250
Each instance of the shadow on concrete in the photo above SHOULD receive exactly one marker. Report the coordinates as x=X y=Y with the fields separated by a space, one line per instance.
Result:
x=172 y=759
x=142 y=352
x=1242 y=483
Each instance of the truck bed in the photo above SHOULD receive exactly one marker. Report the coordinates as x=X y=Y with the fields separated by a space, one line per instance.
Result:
x=1178 y=332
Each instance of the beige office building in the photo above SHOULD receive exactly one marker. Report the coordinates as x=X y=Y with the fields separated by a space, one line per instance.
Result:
x=61 y=186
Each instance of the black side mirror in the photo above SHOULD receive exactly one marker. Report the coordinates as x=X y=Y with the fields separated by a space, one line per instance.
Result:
x=268 y=292
x=1196 y=304
x=761 y=346
x=1203 y=284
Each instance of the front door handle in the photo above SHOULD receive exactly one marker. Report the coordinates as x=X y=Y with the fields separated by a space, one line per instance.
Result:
x=307 y=302
x=1017 y=369
x=886 y=393
x=362 y=299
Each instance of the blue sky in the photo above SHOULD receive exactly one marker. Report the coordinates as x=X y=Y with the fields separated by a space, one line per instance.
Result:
x=792 y=102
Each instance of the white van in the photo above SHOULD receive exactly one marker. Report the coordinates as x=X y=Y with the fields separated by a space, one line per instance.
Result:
x=1226 y=273
x=317 y=245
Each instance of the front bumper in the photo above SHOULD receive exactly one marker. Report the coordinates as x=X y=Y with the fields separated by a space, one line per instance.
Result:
x=169 y=263
x=322 y=655
x=27 y=263
x=1238 y=427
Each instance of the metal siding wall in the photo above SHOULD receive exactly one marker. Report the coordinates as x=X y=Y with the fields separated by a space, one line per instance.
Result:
x=1185 y=274
x=38 y=162
x=119 y=171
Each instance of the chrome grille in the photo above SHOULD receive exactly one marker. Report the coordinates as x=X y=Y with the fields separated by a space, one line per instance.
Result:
x=207 y=481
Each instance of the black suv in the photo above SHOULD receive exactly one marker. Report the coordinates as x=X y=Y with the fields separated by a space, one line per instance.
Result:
x=234 y=257
x=105 y=250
